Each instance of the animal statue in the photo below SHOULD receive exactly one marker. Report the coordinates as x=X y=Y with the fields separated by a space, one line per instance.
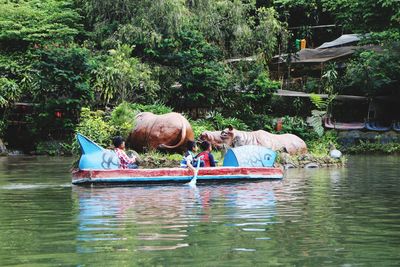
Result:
x=169 y=131
x=286 y=142
x=213 y=137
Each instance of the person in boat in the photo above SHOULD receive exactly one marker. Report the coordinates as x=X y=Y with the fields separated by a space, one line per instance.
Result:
x=125 y=162
x=206 y=155
x=189 y=158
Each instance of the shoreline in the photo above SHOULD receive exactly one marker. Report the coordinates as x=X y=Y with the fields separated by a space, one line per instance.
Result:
x=158 y=160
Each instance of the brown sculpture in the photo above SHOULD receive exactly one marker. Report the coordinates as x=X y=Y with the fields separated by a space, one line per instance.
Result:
x=287 y=142
x=213 y=137
x=168 y=131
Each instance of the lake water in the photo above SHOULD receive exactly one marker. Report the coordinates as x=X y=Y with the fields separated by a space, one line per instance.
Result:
x=317 y=217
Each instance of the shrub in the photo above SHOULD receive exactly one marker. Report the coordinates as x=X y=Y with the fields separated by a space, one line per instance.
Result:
x=93 y=126
x=297 y=126
x=123 y=119
x=369 y=147
x=219 y=122
x=321 y=146
x=53 y=148
x=200 y=126
x=259 y=121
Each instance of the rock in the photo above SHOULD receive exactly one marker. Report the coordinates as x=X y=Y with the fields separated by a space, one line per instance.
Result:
x=289 y=166
x=336 y=154
x=305 y=157
x=311 y=165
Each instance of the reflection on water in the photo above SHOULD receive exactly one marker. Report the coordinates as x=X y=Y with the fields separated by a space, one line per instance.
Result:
x=166 y=218
x=314 y=217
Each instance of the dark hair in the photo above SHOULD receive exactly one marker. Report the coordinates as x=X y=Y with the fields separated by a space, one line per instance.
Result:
x=205 y=145
x=117 y=141
x=190 y=145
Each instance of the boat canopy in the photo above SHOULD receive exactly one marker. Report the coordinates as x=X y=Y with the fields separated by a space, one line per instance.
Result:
x=249 y=156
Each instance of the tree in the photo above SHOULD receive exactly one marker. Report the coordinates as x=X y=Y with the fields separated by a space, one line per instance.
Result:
x=202 y=74
x=9 y=92
x=365 y=15
x=136 y=22
x=375 y=73
x=24 y=23
x=120 y=77
x=62 y=85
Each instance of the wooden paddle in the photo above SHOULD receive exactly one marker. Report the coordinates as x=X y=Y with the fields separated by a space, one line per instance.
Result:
x=194 y=179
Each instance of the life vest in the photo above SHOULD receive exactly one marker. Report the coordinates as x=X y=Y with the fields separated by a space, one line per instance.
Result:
x=206 y=158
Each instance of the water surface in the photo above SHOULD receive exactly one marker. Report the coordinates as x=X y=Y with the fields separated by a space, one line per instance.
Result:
x=320 y=217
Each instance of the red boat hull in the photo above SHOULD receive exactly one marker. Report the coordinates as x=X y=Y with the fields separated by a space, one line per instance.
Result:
x=174 y=175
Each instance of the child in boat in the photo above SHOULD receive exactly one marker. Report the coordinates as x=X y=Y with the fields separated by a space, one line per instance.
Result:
x=189 y=159
x=208 y=158
x=125 y=162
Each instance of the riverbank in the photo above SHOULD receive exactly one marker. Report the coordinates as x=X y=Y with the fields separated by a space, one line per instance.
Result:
x=284 y=160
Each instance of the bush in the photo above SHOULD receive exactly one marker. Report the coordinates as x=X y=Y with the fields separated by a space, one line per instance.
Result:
x=123 y=119
x=93 y=126
x=264 y=122
x=369 y=147
x=200 y=126
x=53 y=148
x=321 y=146
x=297 y=126
x=219 y=122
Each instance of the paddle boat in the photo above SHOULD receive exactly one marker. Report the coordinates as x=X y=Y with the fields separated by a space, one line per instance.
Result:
x=101 y=166
x=343 y=125
x=396 y=126
x=376 y=126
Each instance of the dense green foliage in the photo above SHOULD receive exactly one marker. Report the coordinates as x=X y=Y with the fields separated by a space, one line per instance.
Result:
x=375 y=73
x=121 y=77
x=37 y=22
x=363 y=16
x=61 y=84
x=378 y=148
x=9 y=91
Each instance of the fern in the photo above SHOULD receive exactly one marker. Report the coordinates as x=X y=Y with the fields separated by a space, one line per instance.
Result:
x=316 y=121
x=318 y=101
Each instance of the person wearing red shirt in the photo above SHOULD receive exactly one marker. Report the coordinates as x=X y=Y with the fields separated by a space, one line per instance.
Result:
x=208 y=158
